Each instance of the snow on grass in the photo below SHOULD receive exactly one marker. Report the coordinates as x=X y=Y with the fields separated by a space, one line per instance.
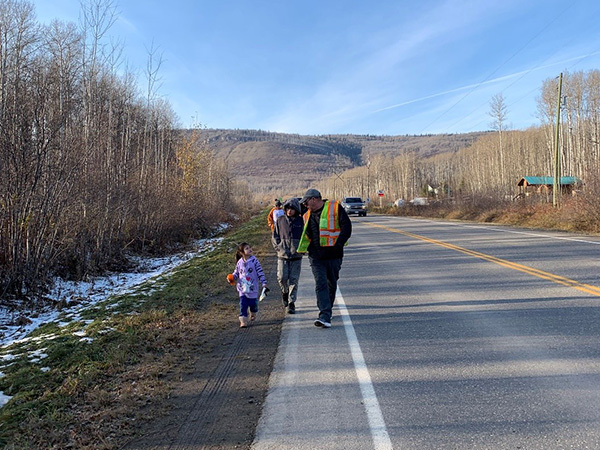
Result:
x=79 y=296
x=37 y=355
x=4 y=399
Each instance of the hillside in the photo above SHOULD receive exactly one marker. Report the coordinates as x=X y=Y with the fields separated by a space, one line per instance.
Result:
x=281 y=164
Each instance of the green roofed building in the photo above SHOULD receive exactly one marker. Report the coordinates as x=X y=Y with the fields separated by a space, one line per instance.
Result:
x=543 y=185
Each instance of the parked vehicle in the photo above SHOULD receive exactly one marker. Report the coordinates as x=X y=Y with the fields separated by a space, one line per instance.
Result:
x=354 y=205
x=419 y=201
x=399 y=203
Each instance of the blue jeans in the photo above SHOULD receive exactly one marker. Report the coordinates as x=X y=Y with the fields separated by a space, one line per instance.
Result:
x=246 y=303
x=326 y=273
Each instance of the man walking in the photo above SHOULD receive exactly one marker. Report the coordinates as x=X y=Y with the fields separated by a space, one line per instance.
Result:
x=327 y=228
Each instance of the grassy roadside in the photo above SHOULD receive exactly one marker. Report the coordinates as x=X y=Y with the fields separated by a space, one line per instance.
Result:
x=88 y=384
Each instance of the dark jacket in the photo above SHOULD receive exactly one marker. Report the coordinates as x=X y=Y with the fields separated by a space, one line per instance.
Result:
x=287 y=232
x=312 y=231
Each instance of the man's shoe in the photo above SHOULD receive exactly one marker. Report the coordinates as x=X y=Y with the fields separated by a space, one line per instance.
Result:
x=284 y=298
x=322 y=323
x=291 y=308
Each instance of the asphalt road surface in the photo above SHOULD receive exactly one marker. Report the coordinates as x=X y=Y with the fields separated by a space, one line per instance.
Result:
x=445 y=336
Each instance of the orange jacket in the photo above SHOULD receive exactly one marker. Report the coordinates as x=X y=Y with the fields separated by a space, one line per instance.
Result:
x=270 y=220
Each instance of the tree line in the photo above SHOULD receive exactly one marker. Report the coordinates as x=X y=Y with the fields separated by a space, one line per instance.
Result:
x=91 y=166
x=491 y=166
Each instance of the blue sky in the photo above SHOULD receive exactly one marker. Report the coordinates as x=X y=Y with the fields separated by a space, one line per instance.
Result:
x=380 y=67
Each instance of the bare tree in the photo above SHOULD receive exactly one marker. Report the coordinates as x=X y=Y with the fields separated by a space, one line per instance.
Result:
x=498 y=113
x=89 y=166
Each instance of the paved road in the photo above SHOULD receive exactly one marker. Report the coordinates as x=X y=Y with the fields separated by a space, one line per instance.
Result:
x=446 y=336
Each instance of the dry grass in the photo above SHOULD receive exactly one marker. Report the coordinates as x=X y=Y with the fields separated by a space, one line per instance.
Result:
x=576 y=214
x=95 y=395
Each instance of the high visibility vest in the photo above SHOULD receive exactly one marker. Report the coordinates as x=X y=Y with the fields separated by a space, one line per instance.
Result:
x=329 y=227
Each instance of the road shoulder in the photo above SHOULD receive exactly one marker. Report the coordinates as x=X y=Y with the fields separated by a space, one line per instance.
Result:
x=217 y=402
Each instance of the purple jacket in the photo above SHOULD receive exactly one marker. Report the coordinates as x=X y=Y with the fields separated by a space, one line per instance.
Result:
x=248 y=274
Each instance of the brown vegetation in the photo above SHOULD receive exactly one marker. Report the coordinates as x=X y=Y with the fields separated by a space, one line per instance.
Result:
x=578 y=215
x=491 y=166
x=89 y=166
x=276 y=164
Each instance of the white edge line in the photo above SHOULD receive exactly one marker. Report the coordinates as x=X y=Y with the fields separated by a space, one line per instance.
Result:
x=526 y=233
x=381 y=439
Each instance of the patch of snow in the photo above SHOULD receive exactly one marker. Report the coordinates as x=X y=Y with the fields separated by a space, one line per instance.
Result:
x=8 y=357
x=81 y=295
x=4 y=399
x=105 y=331
x=37 y=355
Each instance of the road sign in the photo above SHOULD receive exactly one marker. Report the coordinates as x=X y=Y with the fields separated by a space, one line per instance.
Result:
x=380 y=192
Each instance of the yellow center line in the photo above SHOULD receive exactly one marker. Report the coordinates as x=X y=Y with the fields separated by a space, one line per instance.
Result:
x=588 y=288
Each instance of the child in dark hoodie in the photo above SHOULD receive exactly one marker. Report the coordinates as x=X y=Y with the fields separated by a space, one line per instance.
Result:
x=286 y=237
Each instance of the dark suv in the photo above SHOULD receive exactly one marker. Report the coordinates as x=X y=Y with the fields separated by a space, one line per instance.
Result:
x=354 y=205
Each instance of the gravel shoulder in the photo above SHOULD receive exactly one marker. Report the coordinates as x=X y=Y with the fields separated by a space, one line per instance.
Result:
x=217 y=399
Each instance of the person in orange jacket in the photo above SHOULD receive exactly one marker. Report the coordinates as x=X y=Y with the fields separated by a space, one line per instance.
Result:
x=274 y=214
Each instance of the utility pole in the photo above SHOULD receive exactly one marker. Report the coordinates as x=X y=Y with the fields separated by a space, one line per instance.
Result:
x=368 y=184
x=556 y=186
x=334 y=185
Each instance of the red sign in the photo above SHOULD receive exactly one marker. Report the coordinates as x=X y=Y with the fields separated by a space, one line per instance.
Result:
x=380 y=193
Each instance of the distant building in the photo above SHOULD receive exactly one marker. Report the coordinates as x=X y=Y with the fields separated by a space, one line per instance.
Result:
x=544 y=185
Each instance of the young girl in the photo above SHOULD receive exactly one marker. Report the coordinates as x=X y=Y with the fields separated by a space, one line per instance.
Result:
x=247 y=275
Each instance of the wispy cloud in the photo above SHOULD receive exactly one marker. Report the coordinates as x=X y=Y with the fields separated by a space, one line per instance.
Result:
x=316 y=68
x=451 y=91
x=386 y=57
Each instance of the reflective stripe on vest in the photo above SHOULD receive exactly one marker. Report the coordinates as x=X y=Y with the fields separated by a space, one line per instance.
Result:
x=329 y=228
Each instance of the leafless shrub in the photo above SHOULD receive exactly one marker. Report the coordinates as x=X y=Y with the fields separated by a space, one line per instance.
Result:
x=90 y=167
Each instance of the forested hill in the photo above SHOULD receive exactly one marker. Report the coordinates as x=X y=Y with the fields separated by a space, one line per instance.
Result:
x=288 y=163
